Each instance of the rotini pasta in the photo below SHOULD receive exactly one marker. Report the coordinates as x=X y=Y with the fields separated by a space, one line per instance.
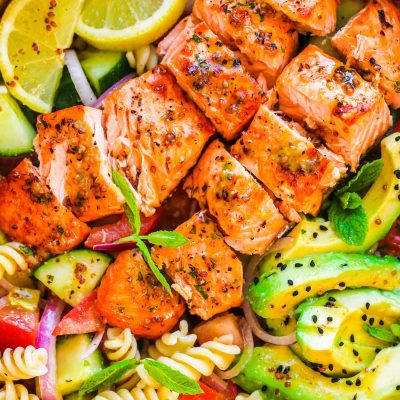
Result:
x=122 y=345
x=23 y=363
x=143 y=59
x=15 y=392
x=12 y=258
x=253 y=396
x=147 y=393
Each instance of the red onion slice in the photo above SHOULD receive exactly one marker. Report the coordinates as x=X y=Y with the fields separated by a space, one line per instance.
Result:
x=116 y=85
x=6 y=285
x=114 y=247
x=215 y=382
x=79 y=79
x=98 y=337
x=50 y=319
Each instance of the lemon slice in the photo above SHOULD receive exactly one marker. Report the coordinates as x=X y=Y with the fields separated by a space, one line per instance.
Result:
x=33 y=35
x=127 y=24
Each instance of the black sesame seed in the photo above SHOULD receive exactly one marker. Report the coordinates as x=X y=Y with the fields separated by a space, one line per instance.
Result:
x=332 y=299
x=397 y=138
x=323 y=228
x=308 y=288
x=381 y=323
x=312 y=263
x=278 y=255
x=330 y=367
x=298 y=265
x=334 y=380
x=264 y=388
x=286 y=370
x=329 y=319
x=314 y=318
x=320 y=330
x=364 y=317
x=367 y=306
x=352 y=338
x=341 y=344
x=396 y=186
x=349 y=382
x=295 y=293
x=290 y=282
x=256 y=280
x=279 y=369
x=315 y=235
x=355 y=352
x=358 y=382
x=371 y=321
x=377 y=351
x=342 y=284
x=398 y=387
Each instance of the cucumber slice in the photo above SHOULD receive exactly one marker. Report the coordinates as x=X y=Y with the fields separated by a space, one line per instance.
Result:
x=73 y=275
x=104 y=68
x=66 y=95
x=72 y=371
x=17 y=133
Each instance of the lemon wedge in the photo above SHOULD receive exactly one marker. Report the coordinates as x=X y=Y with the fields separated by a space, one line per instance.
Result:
x=33 y=37
x=125 y=25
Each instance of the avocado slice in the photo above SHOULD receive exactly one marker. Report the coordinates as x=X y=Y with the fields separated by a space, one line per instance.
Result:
x=281 y=374
x=330 y=335
x=276 y=293
x=381 y=203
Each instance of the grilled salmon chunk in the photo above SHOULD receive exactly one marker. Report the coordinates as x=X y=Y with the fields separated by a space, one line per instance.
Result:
x=31 y=214
x=311 y=16
x=213 y=76
x=264 y=36
x=206 y=271
x=155 y=135
x=287 y=163
x=130 y=296
x=349 y=113
x=244 y=210
x=371 y=42
x=73 y=159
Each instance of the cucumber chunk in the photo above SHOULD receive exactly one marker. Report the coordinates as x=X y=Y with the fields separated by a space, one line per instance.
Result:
x=66 y=95
x=17 y=133
x=72 y=371
x=104 y=68
x=73 y=275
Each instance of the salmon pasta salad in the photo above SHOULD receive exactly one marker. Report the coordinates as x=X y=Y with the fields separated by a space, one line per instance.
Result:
x=199 y=200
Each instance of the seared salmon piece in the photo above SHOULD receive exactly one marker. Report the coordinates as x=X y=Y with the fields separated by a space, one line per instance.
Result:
x=130 y=296
x=243 y=209
x=73 y=159
x=286 y=162
x=155 y=135
x=348 y=112
x=311 y=16
x=31 y=214
x=206 y=272
x=371 y=42
x=213 y=76
x=266 y=37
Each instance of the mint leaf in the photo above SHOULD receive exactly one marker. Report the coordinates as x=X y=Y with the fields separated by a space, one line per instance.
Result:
x=365 y=177
x=395 y=328
x=380 y=333
x=134 y=216
x=108 y=376
x=171 y=378
x=152 y=265
x=166 y=238
x=350 y=225
x=350 y=200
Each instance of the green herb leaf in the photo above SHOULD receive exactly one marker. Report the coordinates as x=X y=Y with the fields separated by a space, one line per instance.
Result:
x=380 y=333
x=350 y=225
x=108 y=376
x=395 y=328
x=152 y=265
x=166 y=238
x=350 y=200
x=365 y=177
x=171 y=378
x=134 y=215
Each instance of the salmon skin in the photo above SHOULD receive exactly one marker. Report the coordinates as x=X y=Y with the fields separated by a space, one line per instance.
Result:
x=213 y=76
x=73 y=159
x=286 y=162
x=243 y=209
x=347 y=112
x=371 y=42
x=155 y=135
x=31 y=214
x=317 y=17
x=206 y=272
x=264 y=36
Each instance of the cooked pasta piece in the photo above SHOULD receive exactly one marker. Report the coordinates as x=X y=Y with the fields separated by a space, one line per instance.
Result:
x=122 y=345
x=15 y=392
x=12 y=258
x=147 y=393
x=143 y=59
x=254 y=396
x=23 y=363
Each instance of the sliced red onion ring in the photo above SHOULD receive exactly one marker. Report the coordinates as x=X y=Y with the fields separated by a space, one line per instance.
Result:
x=116 y=85
x=246 y=353
x=50 y=318
x=79 y=79
x=252 y=318
x=215 y=382
x=6 y=285
x=114 y=247
x=94 y=345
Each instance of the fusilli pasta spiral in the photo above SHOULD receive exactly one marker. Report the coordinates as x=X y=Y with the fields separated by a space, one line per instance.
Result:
x=254 y=396
x=16 y=392
x=147 y=393
x=12 y=258
x=23 y=363
x=122 y=345
x=143 y=59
